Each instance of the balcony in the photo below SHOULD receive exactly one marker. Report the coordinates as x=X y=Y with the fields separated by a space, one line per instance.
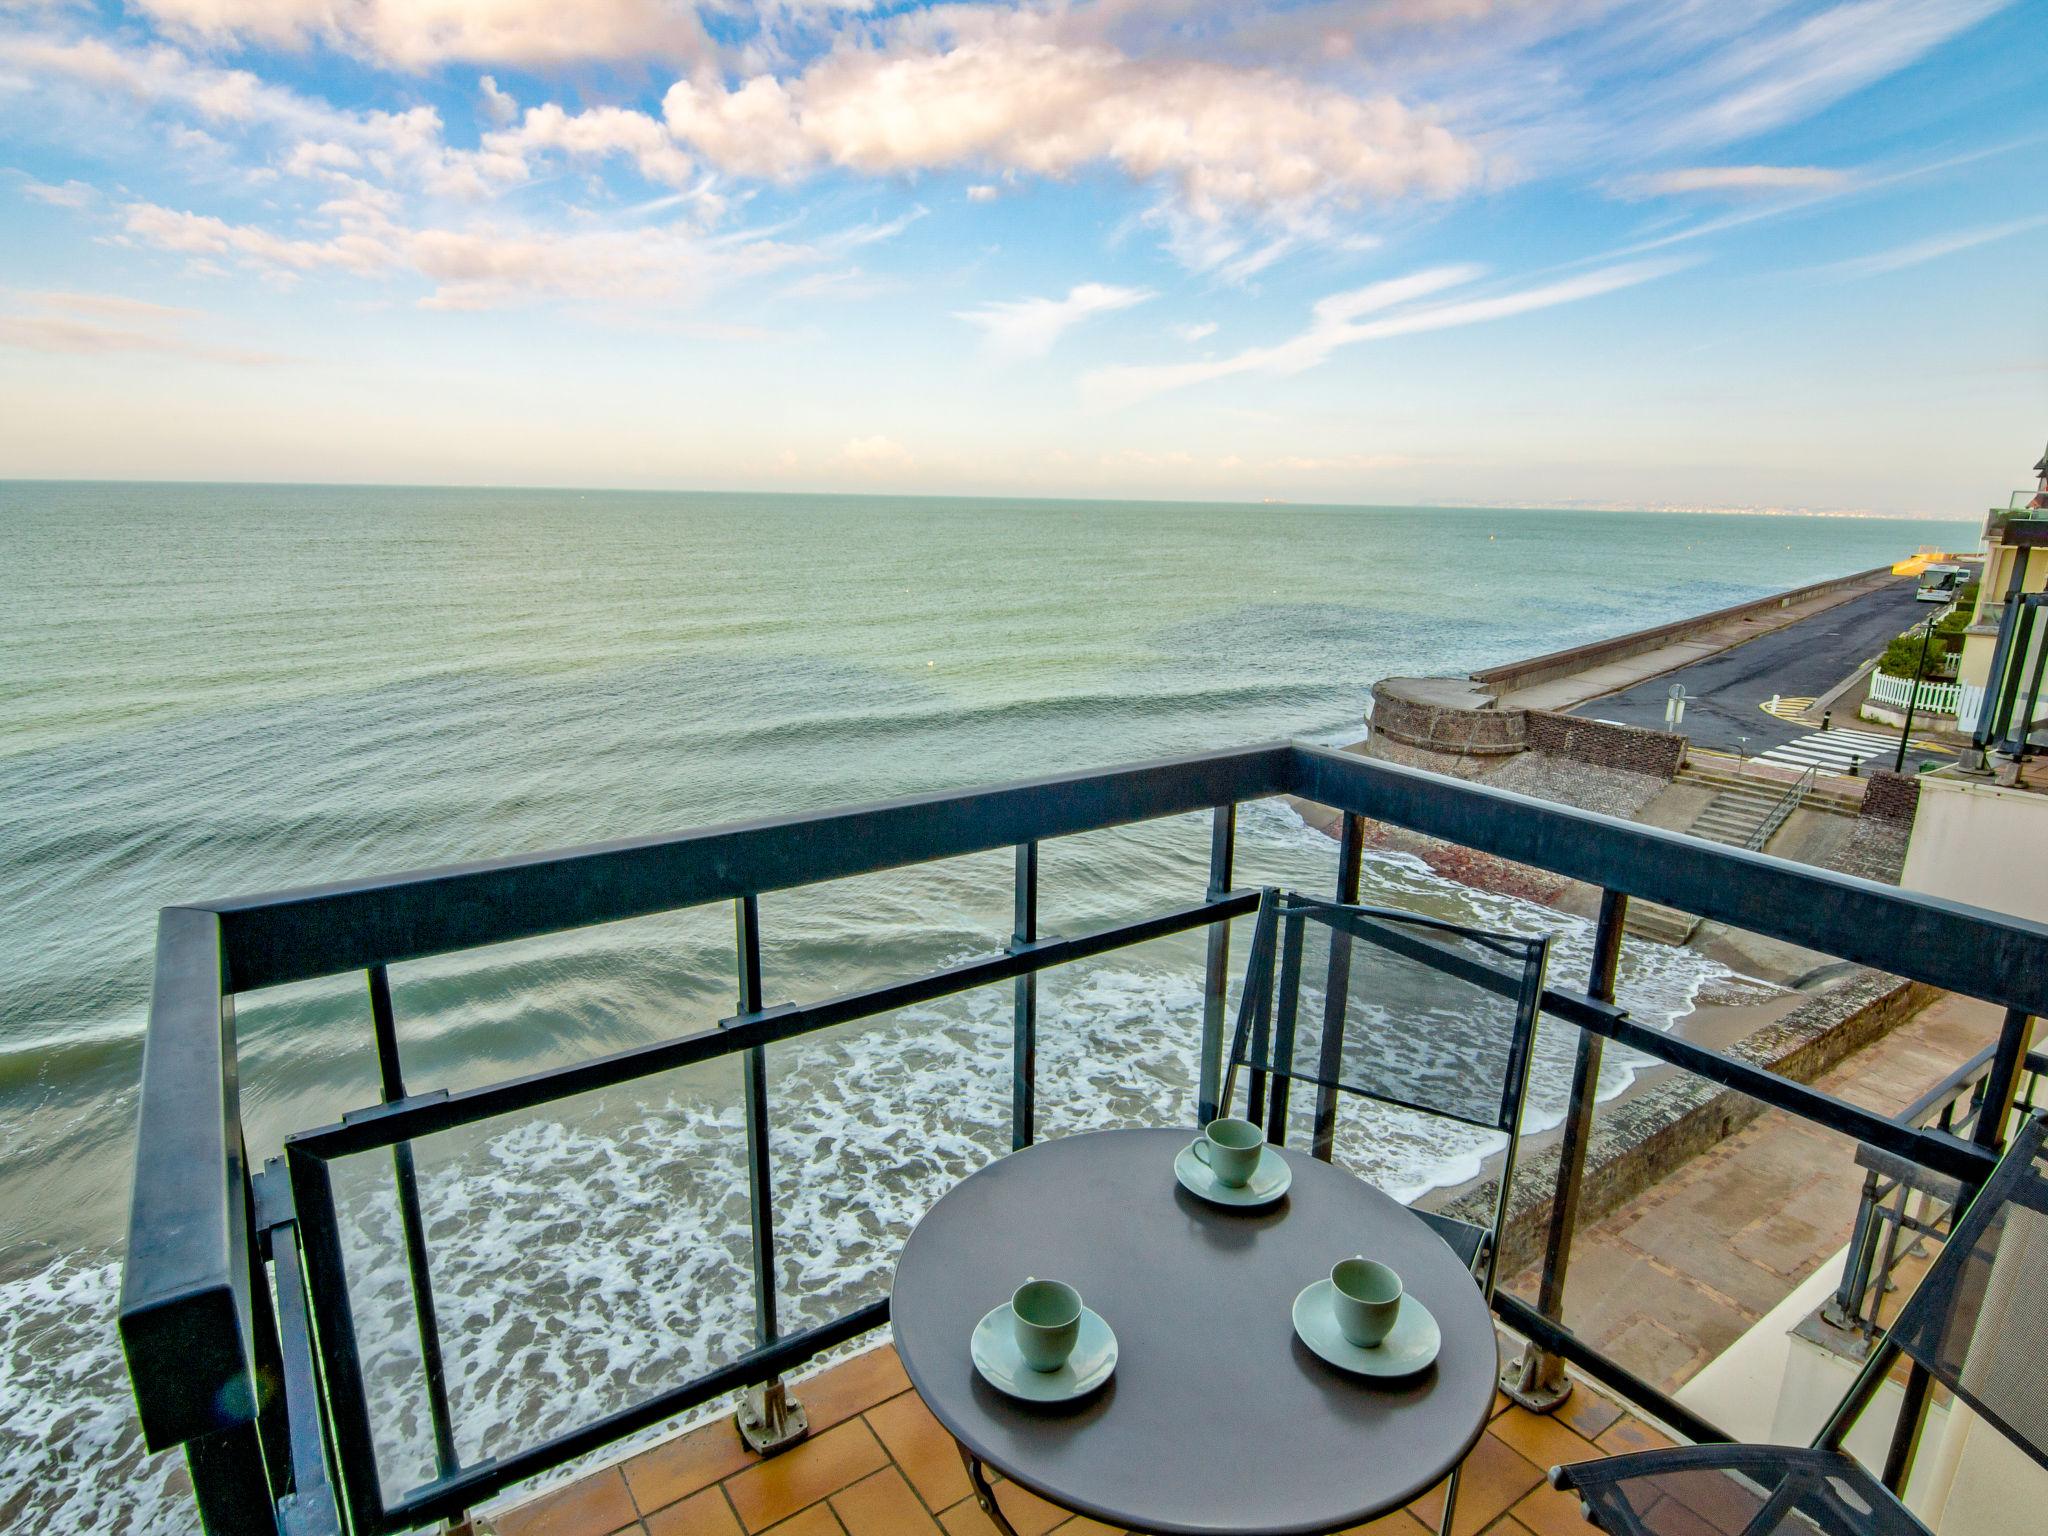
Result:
x=242 y=1310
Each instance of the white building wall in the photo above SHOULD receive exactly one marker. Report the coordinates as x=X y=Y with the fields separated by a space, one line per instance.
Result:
x=1980 y=844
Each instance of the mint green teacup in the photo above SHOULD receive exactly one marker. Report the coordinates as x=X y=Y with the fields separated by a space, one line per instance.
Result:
x=1048 y=1319
x=1366 y=1296
x=1231 y=1149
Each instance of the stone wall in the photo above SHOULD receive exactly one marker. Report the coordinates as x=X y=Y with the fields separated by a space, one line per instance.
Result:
x=1892 y=796
x=1444 y=715
x=1648 y=1135
x=1628 y=747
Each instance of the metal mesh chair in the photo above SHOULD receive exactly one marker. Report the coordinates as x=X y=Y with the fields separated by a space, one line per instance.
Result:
x=1978 y=1324
x=1408 y=1011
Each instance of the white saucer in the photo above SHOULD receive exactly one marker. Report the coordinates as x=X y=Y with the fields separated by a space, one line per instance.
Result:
x=1410 y=1346
x=1268 y=1182
x=994 y=1348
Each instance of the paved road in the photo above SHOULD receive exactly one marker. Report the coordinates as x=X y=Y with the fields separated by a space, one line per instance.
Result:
x=1726 y=693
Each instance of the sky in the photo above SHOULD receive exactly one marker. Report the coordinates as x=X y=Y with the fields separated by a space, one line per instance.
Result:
x=1718 y=253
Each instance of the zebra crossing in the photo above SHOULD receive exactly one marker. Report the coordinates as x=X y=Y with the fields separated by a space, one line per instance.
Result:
x=1832 y=752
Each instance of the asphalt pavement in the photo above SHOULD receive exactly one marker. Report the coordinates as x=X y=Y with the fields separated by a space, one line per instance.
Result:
x=1726 y=693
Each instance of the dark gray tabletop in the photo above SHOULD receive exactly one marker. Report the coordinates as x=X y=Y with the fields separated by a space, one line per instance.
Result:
x=1218 y=1419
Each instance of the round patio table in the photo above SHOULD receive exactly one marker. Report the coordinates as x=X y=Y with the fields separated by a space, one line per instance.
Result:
x=1218 y=1418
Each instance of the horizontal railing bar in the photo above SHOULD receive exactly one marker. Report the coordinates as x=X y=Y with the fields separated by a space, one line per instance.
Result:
x=1565 y=1344
x=387 y=1125
x=450 y=1496
x=352 y=925
x=1930 y=1149
x=1971 y=950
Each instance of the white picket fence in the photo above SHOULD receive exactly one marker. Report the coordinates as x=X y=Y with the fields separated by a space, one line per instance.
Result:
x=1969 y=699
x=1935 y=698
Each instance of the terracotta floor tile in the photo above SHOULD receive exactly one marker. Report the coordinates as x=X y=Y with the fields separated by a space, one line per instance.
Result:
x=1628 y=1434
x=818 y=1520
x=835 y=1395
x=919 y=1444
x=596 y=1505
x=1399 y=1523
x=677 y=1468
x=882 y=1504
x=1548 y=1512
x=1508 y=1525
x=1540 y=1439
x=1081 y=1525
x=1495 y=1477
x=1027 y=1512
x=1587 y=1413
x=701 y=1514
x=776 y=1488
x=1674 y=1520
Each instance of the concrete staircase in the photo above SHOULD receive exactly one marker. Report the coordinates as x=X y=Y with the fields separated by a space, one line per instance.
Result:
x=1821 y=795
x=1739 y=808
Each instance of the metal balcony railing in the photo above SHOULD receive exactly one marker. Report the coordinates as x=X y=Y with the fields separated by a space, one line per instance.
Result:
x=1903 y=1205
x=267 y=1395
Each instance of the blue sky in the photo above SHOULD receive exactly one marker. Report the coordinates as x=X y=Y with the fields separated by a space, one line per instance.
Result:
x=1669 y=252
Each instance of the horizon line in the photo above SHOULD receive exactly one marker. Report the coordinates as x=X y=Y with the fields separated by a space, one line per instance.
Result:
x=1668 y=509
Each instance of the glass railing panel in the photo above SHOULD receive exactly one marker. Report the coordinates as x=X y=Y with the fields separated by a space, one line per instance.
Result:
x=584 y=1256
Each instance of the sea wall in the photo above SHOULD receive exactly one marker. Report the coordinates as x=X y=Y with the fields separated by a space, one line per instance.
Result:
x=1605 y=745
x=1646 y=1136
x=1445 y=715
x=1542 y=669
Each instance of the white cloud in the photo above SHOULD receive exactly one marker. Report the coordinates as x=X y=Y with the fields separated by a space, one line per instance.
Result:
x=1030 y=327
x=506 y=154
x=1933 y=248
x=488 y=266
x=158 y=76
x=1737 y=179
x=498 y=106
x=983 y=192
x=1338 y=321
x=1199 y=330
x=417 y=34
x=1770 y=76
x=78 y=324
x=876 y=455
x=1011 y=95
x=70 y=194
x=199 y=234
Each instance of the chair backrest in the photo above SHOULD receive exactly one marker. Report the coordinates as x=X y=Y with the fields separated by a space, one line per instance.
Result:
x=1979 y=1321
x=1407 y=1010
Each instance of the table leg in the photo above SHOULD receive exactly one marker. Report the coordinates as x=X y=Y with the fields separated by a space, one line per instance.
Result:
x=984 y=1495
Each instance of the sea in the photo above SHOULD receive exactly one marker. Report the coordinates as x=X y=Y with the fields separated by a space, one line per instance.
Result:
x=211 y=690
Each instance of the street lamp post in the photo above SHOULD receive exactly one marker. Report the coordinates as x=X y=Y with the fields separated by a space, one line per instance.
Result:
x=1913 y=696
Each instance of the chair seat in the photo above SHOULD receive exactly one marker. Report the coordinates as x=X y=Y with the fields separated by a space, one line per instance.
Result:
x=1467 y=1241
x=1758 y=1490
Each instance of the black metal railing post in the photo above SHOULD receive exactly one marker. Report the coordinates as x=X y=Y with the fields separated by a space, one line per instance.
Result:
x=1216 y=969
x=769 y=1419
x=2001 y=1084
x=391 y=1080
x=1337 y=991
x=1024 y=992
x=1537 y=1380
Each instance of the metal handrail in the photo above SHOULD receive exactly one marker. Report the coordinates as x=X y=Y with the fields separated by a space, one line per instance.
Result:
x=1787 y=804
x=264 y=1397
x=1883 y=1212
